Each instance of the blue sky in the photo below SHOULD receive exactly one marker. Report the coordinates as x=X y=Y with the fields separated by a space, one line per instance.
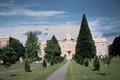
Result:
x=48 y=17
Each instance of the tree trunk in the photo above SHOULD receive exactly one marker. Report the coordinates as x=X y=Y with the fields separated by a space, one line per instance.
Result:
x=27 y=66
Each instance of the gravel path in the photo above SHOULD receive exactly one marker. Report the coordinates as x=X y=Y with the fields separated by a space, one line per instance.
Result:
x=60 y=73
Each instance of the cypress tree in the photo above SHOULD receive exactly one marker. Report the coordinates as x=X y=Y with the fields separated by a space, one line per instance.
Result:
x=52 y=50
x=85 y=46
x=44 y=63
x=55 y=41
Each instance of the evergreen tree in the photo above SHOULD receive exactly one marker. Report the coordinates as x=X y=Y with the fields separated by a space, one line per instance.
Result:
x=53 y=50
x=115 y=47
x=58 y=49
x=96 y=64
x=31 y=49
x=44 y=63
x=86 y=62
x=85 y=46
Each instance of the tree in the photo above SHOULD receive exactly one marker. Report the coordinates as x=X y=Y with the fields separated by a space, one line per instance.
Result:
x=8 y=56
x=96 y=63
x=31 y=49
x=58 y=49
x=115 y=47
x=17 y=46
x=86 y=62
x=85 y=45
x=44 y=63
x=53 y=51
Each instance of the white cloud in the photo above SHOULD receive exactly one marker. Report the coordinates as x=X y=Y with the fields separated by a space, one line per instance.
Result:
x=59 y=30
x=42 y=13
x=27 y=12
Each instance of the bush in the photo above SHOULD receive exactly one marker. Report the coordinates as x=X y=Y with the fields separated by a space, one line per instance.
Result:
x=79 y=59
x=96 y=64
x=52 y=63
x=86 y=62
x=44 y=63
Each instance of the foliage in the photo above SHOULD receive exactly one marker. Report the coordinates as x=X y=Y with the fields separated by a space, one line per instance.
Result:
x=27 y=65
x=96 y=64
x=53 y=51
x=79 y=59
x=17 y=46
x=52 y=62
x=106 y=60
x=31 y=45
x=44 y=63
x=31 y=49
x=8 y=56
x=53 y=47
x=115 y=47
x=86 y=62
x=85 y=45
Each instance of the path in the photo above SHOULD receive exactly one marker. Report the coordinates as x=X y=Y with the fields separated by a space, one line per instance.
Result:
x=60 y=73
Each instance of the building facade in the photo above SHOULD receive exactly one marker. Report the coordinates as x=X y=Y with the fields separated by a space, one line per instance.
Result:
x=4 y=42
x=68 y=47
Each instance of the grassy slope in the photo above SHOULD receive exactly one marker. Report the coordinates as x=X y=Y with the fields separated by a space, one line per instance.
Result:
x=79 y=72
x=38 y=72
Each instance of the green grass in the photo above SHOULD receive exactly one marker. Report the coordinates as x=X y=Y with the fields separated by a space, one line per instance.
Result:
x=79 y=72
x=16 y=72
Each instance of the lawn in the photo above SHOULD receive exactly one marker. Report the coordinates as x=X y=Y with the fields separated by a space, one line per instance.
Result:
x=79 y=72
x=16 y=72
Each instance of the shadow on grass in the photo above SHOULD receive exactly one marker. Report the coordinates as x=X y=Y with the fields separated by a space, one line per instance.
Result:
x=99 y=73
x=102 y=74
x=13 y=75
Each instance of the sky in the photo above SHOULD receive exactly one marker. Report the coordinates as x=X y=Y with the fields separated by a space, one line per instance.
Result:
x=54 y=17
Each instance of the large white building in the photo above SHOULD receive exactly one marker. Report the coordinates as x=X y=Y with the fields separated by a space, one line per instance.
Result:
x=4 y=42
x=68 y=47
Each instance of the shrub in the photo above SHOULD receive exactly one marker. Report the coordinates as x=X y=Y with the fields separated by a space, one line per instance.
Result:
x=86 y=62
x=96 y=64
x=44 y=63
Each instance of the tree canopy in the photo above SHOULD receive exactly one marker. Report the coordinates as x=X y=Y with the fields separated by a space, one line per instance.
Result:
x=53 y=51
x=8 y=56
x=17 y=46
x=85 y=46
x=115 y=47
x=53 y=47
x=31 y=45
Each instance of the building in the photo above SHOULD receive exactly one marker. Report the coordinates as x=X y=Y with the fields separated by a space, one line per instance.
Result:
x=4 y=42
x=101 y=46
x=68 y=47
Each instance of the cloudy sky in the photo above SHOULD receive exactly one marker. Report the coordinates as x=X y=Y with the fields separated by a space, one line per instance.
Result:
x=48 y=17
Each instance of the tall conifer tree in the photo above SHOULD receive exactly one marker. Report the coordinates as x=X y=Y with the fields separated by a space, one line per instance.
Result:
x=52 y=50
x=85 y=46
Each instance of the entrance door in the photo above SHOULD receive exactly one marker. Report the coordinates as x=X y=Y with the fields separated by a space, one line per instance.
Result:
x=69 y=56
